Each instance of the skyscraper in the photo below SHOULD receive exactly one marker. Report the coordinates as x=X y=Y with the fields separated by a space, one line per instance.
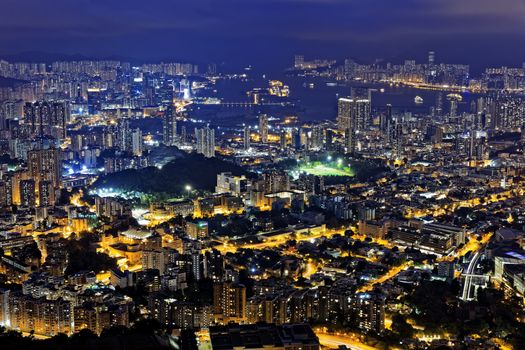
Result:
x=123 y=135
x=329 y=139
x=205 y=141
x=137 y=144
x=431 y=58
x=350 y=140
x=45 y=165
x=246 y=138
x=263 y=128
x=282 y=140
x=298 y=61
x=44 y=168
x=169 y=127
x=183 y=134
x=353 y=114
x=47 y=118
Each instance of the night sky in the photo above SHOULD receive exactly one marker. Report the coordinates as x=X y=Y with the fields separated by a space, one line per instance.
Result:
x=268 y=32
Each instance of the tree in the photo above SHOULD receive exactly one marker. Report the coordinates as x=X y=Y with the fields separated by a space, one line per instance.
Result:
x=402 y=327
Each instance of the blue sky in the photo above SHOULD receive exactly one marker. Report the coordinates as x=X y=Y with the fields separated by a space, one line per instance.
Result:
x=268 y=32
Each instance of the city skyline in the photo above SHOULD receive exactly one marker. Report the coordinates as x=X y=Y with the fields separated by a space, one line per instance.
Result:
x=228 y=175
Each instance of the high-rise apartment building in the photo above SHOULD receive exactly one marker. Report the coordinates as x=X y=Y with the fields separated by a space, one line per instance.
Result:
x=369 y=310
x=47 y=118
x=353 y=114
x=246 y=138
x=205 y=141
x=169 y=127
x=229 y=302
x=45 y=165
x=263 y=128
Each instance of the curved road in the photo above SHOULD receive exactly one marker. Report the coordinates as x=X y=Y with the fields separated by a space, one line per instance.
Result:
x=467 y=286
x=333 y=341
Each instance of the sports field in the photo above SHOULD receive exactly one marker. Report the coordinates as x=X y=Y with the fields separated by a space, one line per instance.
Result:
x=326 y=170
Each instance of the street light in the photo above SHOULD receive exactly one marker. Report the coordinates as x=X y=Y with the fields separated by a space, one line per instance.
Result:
x=188 y=189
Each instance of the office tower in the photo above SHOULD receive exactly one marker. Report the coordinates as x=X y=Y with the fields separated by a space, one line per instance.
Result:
x=263 y=128
x=45 y=165
x=205 y=141
x=369 y=312
x=27 y=193
x=431 y=58
x=353 y=114
x=298 y=61
x=47 y=118
x=246 y=138
x=137 y=143
x=169 y=127
x=229 y=302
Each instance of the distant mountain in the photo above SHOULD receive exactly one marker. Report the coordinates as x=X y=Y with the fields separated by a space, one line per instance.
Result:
x=46 y=57
x=9 y=82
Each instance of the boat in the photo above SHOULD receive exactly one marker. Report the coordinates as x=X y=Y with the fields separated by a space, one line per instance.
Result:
x=418 y=100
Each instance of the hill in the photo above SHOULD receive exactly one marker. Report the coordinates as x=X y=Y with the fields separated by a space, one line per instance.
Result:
x=194 y=170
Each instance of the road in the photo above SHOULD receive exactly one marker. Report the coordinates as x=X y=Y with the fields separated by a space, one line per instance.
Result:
x=467 y=286
x=333 y=341
x=393 y=272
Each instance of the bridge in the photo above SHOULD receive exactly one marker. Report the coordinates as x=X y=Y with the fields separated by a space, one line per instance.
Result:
x=242 y=104
x=472 y=279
